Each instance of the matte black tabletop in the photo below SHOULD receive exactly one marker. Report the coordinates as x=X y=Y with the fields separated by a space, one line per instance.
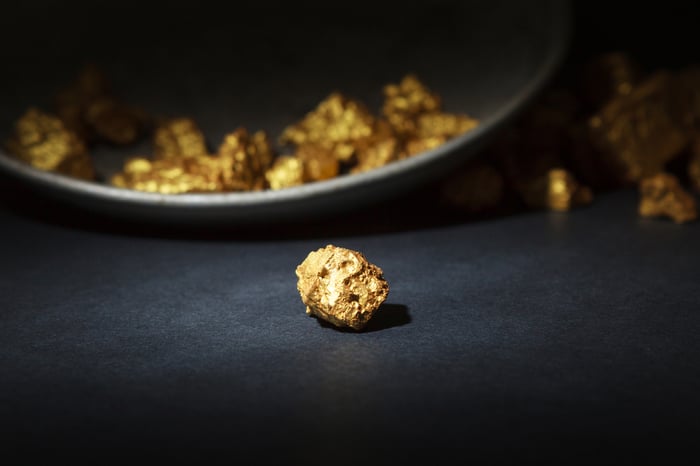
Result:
x=511 y=334
x=530 y=336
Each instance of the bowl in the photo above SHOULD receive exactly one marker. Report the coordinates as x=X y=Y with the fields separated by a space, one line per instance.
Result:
x=264 y=67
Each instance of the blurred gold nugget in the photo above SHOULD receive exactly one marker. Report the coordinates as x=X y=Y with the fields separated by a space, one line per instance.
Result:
x=310 y=162
x=287 y=171
x=319 y=164
x=636 y=132
x=337 y=124
x=376 y=154
x=170 y=176
x=179 y=138
x=662 y=195
x=557 y=190
x=406 y=101
x=89 y=108
x=414 y=114
x=434 y=129
x=339 y=136
x=239 y=165
x=113 y=121
x=71 y=102
x=44 y=142
x=340 y=286
x=245 y=157
x=381 y=148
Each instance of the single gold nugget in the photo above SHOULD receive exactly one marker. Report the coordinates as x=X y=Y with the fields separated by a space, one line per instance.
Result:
x=414 y=114
x=70 y=103
x=558 y=190
x=43 y=141
x=337 y=124
x=636 y=133
x=287 y=171
x=381 y=148
x=171 y=176
x=406 y=101
x=434 y=129
x=319 y=163
x=179 y=137
x=245 y=158
x=340 y=286
x=662 y=195
x=89 y=108
x=113 y=121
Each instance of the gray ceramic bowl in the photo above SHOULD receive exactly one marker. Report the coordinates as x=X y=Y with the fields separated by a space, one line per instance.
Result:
x=486 y=59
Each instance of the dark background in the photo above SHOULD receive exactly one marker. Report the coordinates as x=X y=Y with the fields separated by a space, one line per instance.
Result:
x=515 y=338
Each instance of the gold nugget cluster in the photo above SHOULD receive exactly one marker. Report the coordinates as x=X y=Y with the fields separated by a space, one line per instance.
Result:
x=340 y=286
x=340 y=136
x=615 y=128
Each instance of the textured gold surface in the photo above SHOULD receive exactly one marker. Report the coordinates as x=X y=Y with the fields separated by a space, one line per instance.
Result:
x=319 y=163
x=44 y=142
x=414 y=114
x=662 y=195
x=637 y=131
x=381 y=148
x=477 y=188
x=179 y=137
x=340 y=136
x=245 y=157
x=287 y=171
x=406 y=101
x=170 y=176
x=337 y=124
x=340 y=286
x=182 y=167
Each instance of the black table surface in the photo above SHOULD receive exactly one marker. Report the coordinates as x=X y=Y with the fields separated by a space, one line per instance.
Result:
x=515 y=337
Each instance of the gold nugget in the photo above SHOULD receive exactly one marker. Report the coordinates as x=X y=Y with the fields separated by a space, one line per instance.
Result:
x=245 y=158
x=558 y=190
x=381 y=148
x=44 y=142
x=287 y=171
x=89 y=108
x=179 y=137
x=113 y=121
x=414 y=114
x=170 y=176
x=340 y=286
x=319 y=163
x=406 y=101
x=337 y=124
x=662 y=195
x=637 y=132
x=311 y=162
